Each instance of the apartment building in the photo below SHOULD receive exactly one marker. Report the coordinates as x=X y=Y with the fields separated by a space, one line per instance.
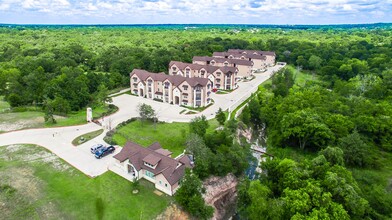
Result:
x=244 y=66
x=259 y=61
x=269 y=55
x=221 y=77
x=173 y=89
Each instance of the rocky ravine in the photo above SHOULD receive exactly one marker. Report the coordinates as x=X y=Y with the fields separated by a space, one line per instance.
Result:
x=221 y=194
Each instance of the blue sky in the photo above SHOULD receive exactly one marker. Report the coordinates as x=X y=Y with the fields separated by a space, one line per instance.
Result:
x=201 y=11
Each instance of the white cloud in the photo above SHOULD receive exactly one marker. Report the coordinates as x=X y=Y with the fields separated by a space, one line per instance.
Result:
x=206 y=11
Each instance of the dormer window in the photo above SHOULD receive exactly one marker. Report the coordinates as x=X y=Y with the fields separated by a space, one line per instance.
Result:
x=134 y=79
x=212 y=62
x=226 y=63
x=185 y=87
x=203 y=72
x=167 y=84
x=174 y=68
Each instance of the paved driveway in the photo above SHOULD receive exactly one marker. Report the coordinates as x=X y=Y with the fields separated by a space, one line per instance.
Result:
x=59 y=140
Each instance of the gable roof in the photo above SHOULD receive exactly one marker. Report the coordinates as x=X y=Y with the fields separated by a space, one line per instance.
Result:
x=260 y=52
x=172 y=169
x=176 y=80
x=208 y=68
x=223 y=60
x=239 y=55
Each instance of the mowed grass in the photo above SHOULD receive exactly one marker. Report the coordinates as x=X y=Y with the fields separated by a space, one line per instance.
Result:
x=171 y=136
x=301 y=77
x=45 y=191
x=77 y=118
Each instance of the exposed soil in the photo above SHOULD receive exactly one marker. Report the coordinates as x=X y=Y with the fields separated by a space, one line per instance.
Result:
x=23 y=192
x=173 y=213
x=221 y=194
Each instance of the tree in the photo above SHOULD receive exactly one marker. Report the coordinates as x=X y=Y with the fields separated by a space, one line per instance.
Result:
x=220 y=116
x=199 y=125
x=282 y=81
x=356 y=152
x=189 y=196
x=315 y=62
x=49 y=111
x=334 y=155
x=202 y=155
x=102 y=96
x=306 y=127
x=145 y=111
x=245 y=115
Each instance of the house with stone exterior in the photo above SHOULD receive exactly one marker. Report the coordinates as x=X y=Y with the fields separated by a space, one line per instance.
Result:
x=173 y=89
x=221 y=77
x=244 y=66
x=154 y=164
x=253 y=54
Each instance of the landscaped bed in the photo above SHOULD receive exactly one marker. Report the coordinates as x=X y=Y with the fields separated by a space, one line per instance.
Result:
x=86 y=137
x=36 y=184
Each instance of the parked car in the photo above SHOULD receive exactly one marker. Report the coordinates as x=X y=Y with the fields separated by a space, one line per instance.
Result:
x=104 y=151
x=95 y=148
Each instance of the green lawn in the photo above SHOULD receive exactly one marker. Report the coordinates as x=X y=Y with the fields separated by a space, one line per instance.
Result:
x=87 y=137
x=171 y=136
x=77 y=118
x=45 y=192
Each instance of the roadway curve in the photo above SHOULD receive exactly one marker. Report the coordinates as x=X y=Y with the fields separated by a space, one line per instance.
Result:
x=59 y=140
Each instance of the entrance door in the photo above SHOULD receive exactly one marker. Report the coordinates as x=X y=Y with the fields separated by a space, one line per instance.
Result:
x=141 y=93
x=177 y=100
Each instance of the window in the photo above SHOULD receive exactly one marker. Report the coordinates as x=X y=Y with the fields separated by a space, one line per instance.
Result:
x=160 y=182
x=203 y=72
x=149 y=82
x=198 y=88
x=149 y=174
x=212 y=62
x=218 y=74
x=165 y=184
x=174 y=68
x=185 y=87
x=226 y=63
x=134 y=79
x=167 y=85
x=185 y=96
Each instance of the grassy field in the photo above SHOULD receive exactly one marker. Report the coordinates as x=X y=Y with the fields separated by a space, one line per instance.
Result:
x=36 y=184
x=87 y=137
x=79 y=117
x=171 y=136
x=301 y=77
x=10 y=121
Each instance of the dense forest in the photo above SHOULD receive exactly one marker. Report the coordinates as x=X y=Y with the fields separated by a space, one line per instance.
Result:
x=331 y=138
